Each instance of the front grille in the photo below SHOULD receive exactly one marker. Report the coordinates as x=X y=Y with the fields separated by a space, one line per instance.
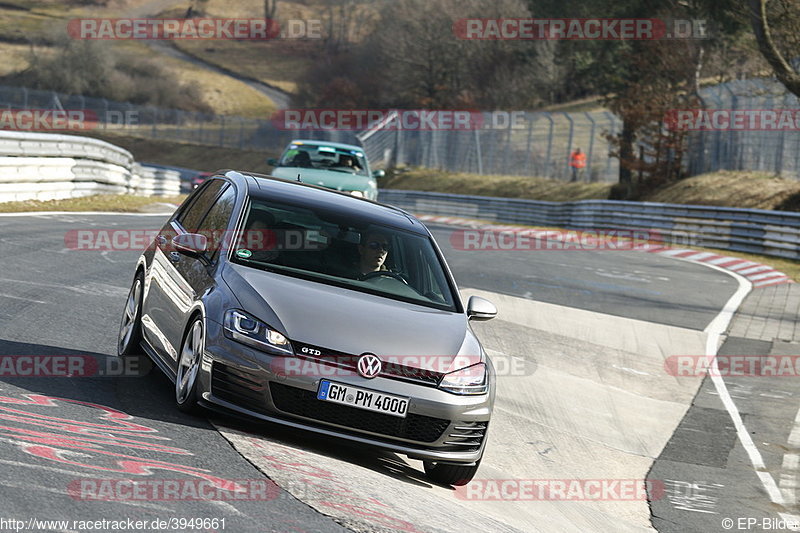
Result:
x=467 y=436
x=391 y=369
x=304 y=403
x=238 y=387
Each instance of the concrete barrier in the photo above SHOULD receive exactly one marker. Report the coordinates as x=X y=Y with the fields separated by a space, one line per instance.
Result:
x=44 y=166
x=152 y=181
x=758 y=231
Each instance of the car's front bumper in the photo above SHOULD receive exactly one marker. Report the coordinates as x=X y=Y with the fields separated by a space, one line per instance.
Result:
x=439 y=426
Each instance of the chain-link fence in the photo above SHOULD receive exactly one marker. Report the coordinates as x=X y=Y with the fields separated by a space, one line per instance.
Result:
x=164 y=124
x=750 y=144
x=517 y=143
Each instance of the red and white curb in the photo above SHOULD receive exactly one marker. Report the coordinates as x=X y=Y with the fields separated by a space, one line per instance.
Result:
x=759 y=275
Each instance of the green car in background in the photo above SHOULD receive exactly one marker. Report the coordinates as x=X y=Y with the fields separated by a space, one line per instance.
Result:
x=342 y=167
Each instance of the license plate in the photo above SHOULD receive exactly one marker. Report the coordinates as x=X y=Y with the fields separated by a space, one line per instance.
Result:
x=363 y=398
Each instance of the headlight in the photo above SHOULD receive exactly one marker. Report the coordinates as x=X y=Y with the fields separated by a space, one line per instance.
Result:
x=470 y=380
x=243 y=328
x=360 y=194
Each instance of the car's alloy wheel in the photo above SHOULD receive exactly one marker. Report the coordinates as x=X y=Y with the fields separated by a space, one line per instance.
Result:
x=450 y=474
x=130 y=329
x=189 y=367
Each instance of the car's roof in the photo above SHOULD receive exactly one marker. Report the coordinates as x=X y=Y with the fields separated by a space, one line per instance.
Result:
x=326 y=143
x=297 y=193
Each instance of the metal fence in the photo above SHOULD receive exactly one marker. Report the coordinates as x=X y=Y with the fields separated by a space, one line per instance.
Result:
x=758 y=231
x=165 y=124
x=747 y=149
x=522 y=143
x=532 y=144
x=517 y=143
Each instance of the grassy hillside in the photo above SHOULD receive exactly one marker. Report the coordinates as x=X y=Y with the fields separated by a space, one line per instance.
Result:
x=205 y=158
x=758 y=190
x=727 y=188
x=41 y=21
x=502 y=186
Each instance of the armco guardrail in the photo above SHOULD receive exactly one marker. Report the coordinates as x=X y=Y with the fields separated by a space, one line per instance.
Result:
x=46 y=166
x=155 y=181
x=759 y=231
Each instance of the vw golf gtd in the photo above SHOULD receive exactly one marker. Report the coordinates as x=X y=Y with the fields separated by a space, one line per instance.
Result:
x=311 y=308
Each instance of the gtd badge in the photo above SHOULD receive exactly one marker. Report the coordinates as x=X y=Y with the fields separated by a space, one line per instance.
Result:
x=310 y=351
x=369 y=365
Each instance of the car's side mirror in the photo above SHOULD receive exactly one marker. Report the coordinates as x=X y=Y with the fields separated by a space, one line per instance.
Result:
x=272 y=162
x=191 y=244
x=480 y=309
x=378 y=174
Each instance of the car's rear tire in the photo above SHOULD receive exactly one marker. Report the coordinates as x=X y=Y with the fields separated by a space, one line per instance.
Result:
x=450 y=474
x=130 y=328
x=189 y=361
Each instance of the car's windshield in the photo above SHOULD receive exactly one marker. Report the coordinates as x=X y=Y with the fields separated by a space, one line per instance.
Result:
x=325 y=157
x=343 y=250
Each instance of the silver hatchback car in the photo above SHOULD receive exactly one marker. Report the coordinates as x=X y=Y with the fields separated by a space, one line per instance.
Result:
x=314 y=309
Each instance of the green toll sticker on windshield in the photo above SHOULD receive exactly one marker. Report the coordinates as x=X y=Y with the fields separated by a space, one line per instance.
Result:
x=244 y=254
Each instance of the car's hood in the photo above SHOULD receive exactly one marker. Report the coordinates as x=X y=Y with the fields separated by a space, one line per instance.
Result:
x=341 y=181
x=352 y=322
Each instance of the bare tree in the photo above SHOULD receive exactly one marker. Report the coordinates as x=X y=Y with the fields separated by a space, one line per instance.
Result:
x=550 y=71
x=660 y=81
x=270 y=8
x=768 y=45
x=340 y=21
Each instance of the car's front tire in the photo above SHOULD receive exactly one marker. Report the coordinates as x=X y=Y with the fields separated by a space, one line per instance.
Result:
x=189 y=367
x=450 y=474
x=130 y=328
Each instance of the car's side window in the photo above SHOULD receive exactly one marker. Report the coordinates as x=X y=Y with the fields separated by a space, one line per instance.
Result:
x=191 y=217
x=215 y=223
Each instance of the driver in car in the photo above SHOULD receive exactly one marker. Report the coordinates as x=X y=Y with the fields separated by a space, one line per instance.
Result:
x=372 y=252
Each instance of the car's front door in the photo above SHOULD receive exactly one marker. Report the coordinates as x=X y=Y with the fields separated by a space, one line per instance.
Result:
x=166 y=290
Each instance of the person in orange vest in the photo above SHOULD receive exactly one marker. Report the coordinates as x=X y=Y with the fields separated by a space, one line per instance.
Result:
x=577 y=160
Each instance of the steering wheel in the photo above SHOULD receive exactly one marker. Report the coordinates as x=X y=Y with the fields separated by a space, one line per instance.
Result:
x=387 y=273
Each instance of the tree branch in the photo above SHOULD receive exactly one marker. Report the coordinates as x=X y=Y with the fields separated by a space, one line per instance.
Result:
x=783 y=70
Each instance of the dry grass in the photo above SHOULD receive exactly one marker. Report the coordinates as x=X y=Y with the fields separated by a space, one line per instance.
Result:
x=276 y=63
x=225 y=95
x=503 y=186
x=45 y=18
x=15 y=58
x=21 y=20
x=207 y=158
x=122 y=203
x=756 y=190
x=279 y=62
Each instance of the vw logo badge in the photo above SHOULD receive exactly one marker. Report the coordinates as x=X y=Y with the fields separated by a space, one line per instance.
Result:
x=369 y=365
